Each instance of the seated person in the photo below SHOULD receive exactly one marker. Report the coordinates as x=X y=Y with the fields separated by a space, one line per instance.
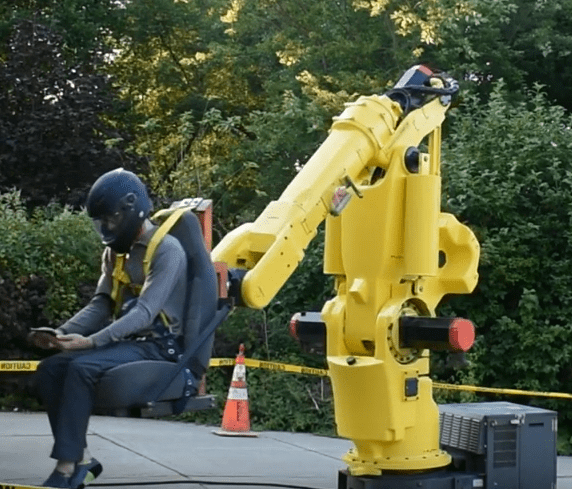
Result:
x=131 y=317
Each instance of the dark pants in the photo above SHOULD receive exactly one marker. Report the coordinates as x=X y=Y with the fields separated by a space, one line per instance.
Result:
x=66 y=383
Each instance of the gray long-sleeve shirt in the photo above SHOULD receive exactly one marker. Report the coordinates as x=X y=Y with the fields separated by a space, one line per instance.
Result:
x=163 y=290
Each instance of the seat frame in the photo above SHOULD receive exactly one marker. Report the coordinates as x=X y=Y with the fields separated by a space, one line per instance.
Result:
x=159 y=385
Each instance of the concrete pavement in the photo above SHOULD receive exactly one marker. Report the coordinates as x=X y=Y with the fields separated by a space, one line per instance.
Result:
x=143 y=450
x=183 y=455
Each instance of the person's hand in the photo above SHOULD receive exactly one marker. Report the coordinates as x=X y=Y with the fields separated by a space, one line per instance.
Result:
x=43 y=339
x=74 y=342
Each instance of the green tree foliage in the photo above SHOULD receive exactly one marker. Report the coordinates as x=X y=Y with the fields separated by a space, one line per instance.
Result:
x=53 y=140
x=522 y=42
x=508 y=176
x=540 y=35
x=82 y=24
x=54 y=243
x=49 y=263
x=231 y=95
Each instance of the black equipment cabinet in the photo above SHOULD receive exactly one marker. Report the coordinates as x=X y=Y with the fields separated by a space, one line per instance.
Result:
x=512 y=446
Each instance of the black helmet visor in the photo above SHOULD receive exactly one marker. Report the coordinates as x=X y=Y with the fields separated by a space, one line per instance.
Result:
x=110 y=227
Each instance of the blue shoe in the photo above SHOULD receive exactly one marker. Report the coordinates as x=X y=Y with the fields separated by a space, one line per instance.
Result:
x=85 y=473
x=57 y=479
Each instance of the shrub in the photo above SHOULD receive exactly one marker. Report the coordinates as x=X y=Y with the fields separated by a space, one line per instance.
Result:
x=508 y=176
x=53 y=244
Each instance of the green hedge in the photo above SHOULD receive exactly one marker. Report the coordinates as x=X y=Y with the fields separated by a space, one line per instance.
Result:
x=54 y=243
x=508 y=175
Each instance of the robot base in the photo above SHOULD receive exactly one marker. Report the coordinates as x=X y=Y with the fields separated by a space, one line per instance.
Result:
x=426 y=480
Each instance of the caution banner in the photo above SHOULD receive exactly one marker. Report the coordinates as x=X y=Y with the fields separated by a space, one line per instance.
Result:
x=278 y=367
x=18 y=366
x=493 y=390
x=15 y=486
x=32 y=365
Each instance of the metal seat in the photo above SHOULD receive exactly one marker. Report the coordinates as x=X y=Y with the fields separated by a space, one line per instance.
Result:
x=127 y=390
x=157 y=388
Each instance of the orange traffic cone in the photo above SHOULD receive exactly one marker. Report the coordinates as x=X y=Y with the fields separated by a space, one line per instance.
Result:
x=236 y=417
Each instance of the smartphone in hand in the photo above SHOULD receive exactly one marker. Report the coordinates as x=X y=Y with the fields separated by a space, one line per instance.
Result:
x=44 y=329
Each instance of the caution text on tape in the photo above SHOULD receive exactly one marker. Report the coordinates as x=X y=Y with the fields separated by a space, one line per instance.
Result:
x=32 y=365
x=18 y=366
x=278 y=367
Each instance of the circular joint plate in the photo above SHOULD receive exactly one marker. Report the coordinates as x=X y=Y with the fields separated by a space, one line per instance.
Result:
x=403 y=355
x=433 y=459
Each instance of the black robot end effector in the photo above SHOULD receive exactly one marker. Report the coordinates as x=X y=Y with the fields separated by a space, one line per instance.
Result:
x=414 y=88
x=235 y=277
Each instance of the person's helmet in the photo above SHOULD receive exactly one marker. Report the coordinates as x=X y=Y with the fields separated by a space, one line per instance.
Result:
x=118 y=203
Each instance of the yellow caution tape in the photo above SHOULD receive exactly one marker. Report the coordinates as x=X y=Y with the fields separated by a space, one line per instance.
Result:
x=16 y=486
x=493 y=390
x=279 y=367
x=32 y=365
x=18 y=366
x=222 y=362
x=283 y=367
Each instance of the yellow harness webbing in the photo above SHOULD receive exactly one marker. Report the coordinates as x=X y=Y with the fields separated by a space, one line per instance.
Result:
x=158 y=236
x=121 y=278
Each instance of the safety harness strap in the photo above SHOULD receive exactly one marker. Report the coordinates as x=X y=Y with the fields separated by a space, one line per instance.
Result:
x=121 y=278
x=163 y=230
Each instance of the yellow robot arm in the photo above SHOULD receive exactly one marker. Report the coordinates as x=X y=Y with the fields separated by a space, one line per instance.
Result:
x=394 y=255
x=361 y=139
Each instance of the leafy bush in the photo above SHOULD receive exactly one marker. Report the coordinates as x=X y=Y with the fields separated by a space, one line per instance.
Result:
x=278 y=401
x=508 y=175
x=49 y=262
x=53 y=243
